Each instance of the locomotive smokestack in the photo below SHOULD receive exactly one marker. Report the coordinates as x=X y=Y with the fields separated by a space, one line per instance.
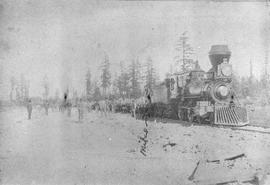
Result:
x=218 y=53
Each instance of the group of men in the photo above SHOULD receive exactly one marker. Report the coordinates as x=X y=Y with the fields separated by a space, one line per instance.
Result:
x=29 y=107
x=103 y=106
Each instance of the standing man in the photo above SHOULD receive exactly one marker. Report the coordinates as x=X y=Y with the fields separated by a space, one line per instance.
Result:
x=134 y=107
x=80 y=109
x=148 y=94
x=46 y=106
x=147 y=104
x=69 y=107
x=29 y=108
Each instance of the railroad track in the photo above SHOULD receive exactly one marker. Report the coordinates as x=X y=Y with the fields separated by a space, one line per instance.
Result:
x=251 y=128
x=247 y=128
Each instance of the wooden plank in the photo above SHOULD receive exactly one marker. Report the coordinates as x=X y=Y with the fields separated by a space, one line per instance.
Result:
x=225 y=180
x=235 y=157
x=226 y=159
x=191 y=177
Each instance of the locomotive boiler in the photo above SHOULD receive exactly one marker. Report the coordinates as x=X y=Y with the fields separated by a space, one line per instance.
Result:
x=208 y=97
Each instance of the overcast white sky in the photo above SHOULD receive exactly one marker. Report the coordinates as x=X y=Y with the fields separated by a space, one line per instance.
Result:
x=64 y=38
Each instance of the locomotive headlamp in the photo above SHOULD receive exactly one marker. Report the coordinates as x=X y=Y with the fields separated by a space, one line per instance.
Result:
x=226 y=70
x=223 y=90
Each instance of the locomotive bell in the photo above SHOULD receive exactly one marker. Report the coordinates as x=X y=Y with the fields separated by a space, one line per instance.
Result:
x=218 y=53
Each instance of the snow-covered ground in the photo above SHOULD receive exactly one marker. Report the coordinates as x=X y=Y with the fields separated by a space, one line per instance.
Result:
x=117 y=149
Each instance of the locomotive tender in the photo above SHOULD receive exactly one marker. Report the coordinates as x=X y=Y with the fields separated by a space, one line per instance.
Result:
x=206 y=97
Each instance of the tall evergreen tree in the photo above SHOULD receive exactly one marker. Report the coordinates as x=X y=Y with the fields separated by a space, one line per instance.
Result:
x=46 y=87
x=150 y=74
x=106 y=75
x=244 y=87
x=22 y=88
x=27 y=87
x=236 y=84
x=135 y=79
x=56 y=96
x=184 y=58
x=88 y=85
x=96 y=94
x=123 y=82
x=115 y=89
x=12 y=85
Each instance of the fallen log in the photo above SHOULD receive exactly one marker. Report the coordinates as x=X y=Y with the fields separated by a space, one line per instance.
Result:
x=171 y=144
x=254 y=181
x=240 y=177
x=235 y=157
x=191 y=177
x=213 y=161
x=227 y=182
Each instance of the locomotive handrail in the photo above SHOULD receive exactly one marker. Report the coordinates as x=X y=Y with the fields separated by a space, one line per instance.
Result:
x=191 y=96
x=184 y=107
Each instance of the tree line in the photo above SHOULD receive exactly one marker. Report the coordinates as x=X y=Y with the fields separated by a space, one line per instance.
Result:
x=251 y=88
x=128 y=83
x=134 y=75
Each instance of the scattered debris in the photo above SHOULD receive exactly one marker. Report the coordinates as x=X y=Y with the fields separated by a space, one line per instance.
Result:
x=143 y=153
x=227 y=182
x=227 y=159
x=144 y=139
x=254 y=181
x=235 y=157
x=169 y=144
x=191 y=177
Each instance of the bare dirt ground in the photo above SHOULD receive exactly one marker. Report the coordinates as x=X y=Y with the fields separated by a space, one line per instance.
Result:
x=118 y=149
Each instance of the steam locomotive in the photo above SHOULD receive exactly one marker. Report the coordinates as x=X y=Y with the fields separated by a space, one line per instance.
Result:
x=205 y=97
